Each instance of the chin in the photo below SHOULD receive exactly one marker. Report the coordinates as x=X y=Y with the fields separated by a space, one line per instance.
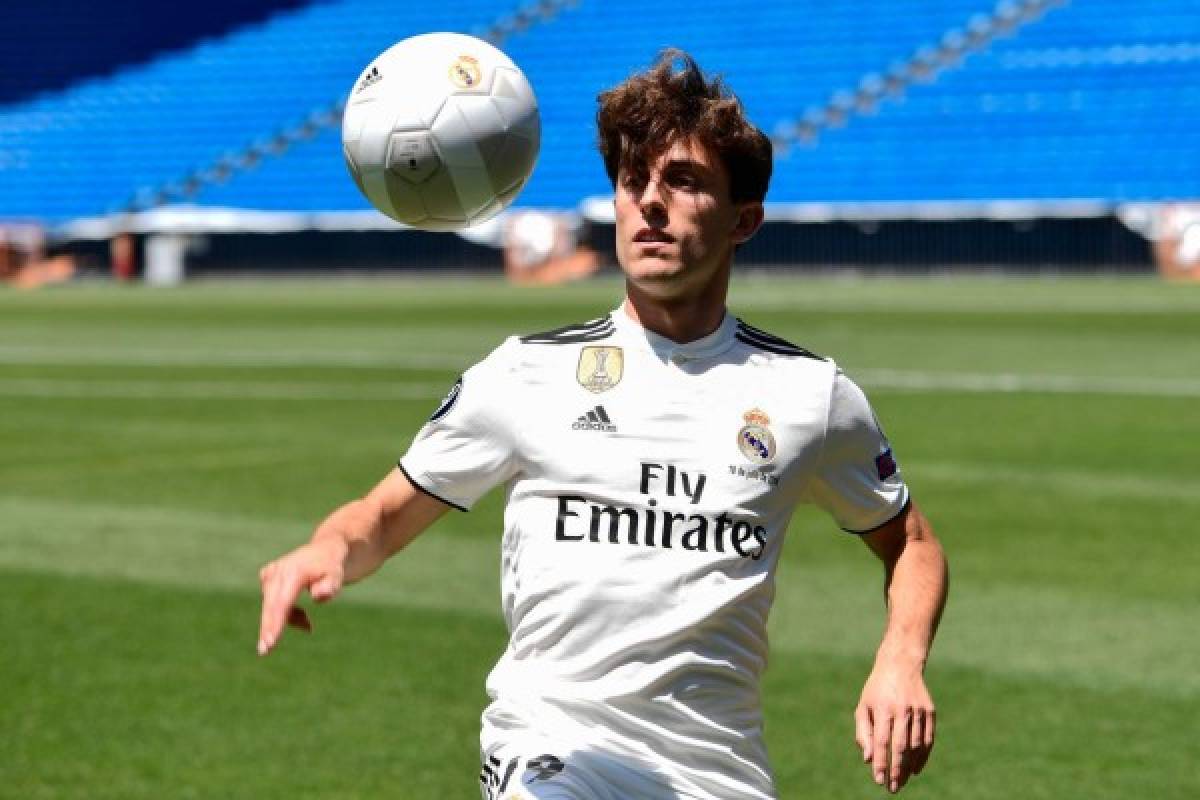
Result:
x=663 y=278
x=650 y=268
x=660 y=284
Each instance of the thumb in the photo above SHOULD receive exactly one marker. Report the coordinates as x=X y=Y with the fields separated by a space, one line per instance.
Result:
x=326 y=587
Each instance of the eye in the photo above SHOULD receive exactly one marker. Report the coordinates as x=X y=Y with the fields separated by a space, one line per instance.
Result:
x=684 y=180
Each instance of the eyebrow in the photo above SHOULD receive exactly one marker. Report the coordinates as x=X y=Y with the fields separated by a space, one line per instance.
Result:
x=696 y=169
x=677 y=163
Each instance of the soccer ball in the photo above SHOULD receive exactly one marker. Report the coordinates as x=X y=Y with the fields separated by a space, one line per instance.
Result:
x=441 y=131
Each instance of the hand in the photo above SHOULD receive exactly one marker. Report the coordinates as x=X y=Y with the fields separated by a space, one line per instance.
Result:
x=894 y=723
x=316 y=567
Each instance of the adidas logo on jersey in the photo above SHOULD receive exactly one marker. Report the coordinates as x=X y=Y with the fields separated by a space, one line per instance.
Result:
x=595 y=420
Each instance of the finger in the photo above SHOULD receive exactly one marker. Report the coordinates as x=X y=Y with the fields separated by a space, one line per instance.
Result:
x=278 y=599
x=926 y=748
x=879 y=747
x=915 y=759
x=862 y=731
x=298 y=618
x=326 y=588
x=266 y=578
x=898 y=772
x=267 y=630
x=916 y=731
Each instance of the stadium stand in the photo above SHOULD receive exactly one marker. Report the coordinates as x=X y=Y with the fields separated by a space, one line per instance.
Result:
x=1065 y=108
x=53 y=44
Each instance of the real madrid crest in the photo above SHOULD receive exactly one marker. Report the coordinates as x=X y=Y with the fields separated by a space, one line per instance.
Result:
x=600 y=368
x=755 y=439
x=465 y=72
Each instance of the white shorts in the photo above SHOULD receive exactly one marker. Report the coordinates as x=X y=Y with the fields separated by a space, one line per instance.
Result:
x=532 y=770
x=539 y=751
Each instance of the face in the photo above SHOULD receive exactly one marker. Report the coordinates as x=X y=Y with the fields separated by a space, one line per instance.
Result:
x=677 y=226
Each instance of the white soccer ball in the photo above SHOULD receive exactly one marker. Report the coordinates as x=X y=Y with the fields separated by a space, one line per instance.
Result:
x=441 y=131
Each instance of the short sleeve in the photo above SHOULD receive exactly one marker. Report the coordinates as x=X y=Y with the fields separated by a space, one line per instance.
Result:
x=467 y=446
x=857 y=479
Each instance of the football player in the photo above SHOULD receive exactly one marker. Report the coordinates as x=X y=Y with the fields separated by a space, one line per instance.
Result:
x=652 y=459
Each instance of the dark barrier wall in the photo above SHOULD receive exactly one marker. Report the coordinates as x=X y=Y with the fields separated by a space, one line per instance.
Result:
x=311 y=251
x=1075 y=245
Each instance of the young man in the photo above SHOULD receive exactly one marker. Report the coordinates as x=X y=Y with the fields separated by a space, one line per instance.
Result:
x=652 y=459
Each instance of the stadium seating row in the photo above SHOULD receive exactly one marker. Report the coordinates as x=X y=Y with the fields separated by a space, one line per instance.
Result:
x=1096 y=100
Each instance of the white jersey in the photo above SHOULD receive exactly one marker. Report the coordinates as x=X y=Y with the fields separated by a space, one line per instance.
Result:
x=649 y=485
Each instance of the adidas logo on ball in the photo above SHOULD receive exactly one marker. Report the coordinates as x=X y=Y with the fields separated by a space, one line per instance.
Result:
x=370 y=79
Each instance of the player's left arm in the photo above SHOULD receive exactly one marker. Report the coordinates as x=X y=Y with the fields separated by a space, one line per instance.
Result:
x=894 y=720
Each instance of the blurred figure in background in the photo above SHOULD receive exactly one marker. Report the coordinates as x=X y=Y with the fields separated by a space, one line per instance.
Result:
x=545 y=247
x=1177 y=248
x=122 y=256
x=23 y=260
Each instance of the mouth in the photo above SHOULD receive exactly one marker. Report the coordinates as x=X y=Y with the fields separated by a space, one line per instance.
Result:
x=653 y=236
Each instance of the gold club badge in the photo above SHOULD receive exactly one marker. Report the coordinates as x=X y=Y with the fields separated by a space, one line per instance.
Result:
x=465 y=72
x=755 y=440
x=600 y=368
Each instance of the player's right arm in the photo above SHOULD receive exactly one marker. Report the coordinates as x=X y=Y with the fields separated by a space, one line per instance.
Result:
x=465 y=449
x=348 y=546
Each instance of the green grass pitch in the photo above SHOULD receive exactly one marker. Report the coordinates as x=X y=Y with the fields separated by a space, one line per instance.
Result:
x=156 y=447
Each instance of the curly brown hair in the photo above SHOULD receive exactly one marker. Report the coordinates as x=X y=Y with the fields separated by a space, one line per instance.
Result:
x=642 y=117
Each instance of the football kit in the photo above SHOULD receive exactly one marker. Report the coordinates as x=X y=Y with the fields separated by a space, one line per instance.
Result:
x=649 y=485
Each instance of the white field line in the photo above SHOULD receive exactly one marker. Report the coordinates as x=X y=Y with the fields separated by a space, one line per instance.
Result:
x=1020 y=303
x=194 y=357
x=1017 y=383
x=398 y=359
x=1044 y=481
x=898 y=380
x=241 y=390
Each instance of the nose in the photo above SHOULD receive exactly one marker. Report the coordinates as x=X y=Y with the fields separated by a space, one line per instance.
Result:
x=653 y=201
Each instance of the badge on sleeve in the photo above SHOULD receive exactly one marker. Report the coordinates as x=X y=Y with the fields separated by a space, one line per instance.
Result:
x=448 y=401
x=885 y=464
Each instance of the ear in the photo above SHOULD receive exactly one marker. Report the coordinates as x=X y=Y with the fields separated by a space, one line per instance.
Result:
x=749 y=220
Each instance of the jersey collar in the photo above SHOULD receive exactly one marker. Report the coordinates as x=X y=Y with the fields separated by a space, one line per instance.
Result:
x=711 y=345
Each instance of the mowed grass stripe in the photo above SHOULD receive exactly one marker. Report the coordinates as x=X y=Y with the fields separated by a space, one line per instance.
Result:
x=152 y=694
x=1005 y=628
x=205 y=549
x=757 y=290
x=123 y=691
x=893 y=380
x=1035 y=330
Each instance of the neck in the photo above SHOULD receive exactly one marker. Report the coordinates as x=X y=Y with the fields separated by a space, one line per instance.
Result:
x=681 y=320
